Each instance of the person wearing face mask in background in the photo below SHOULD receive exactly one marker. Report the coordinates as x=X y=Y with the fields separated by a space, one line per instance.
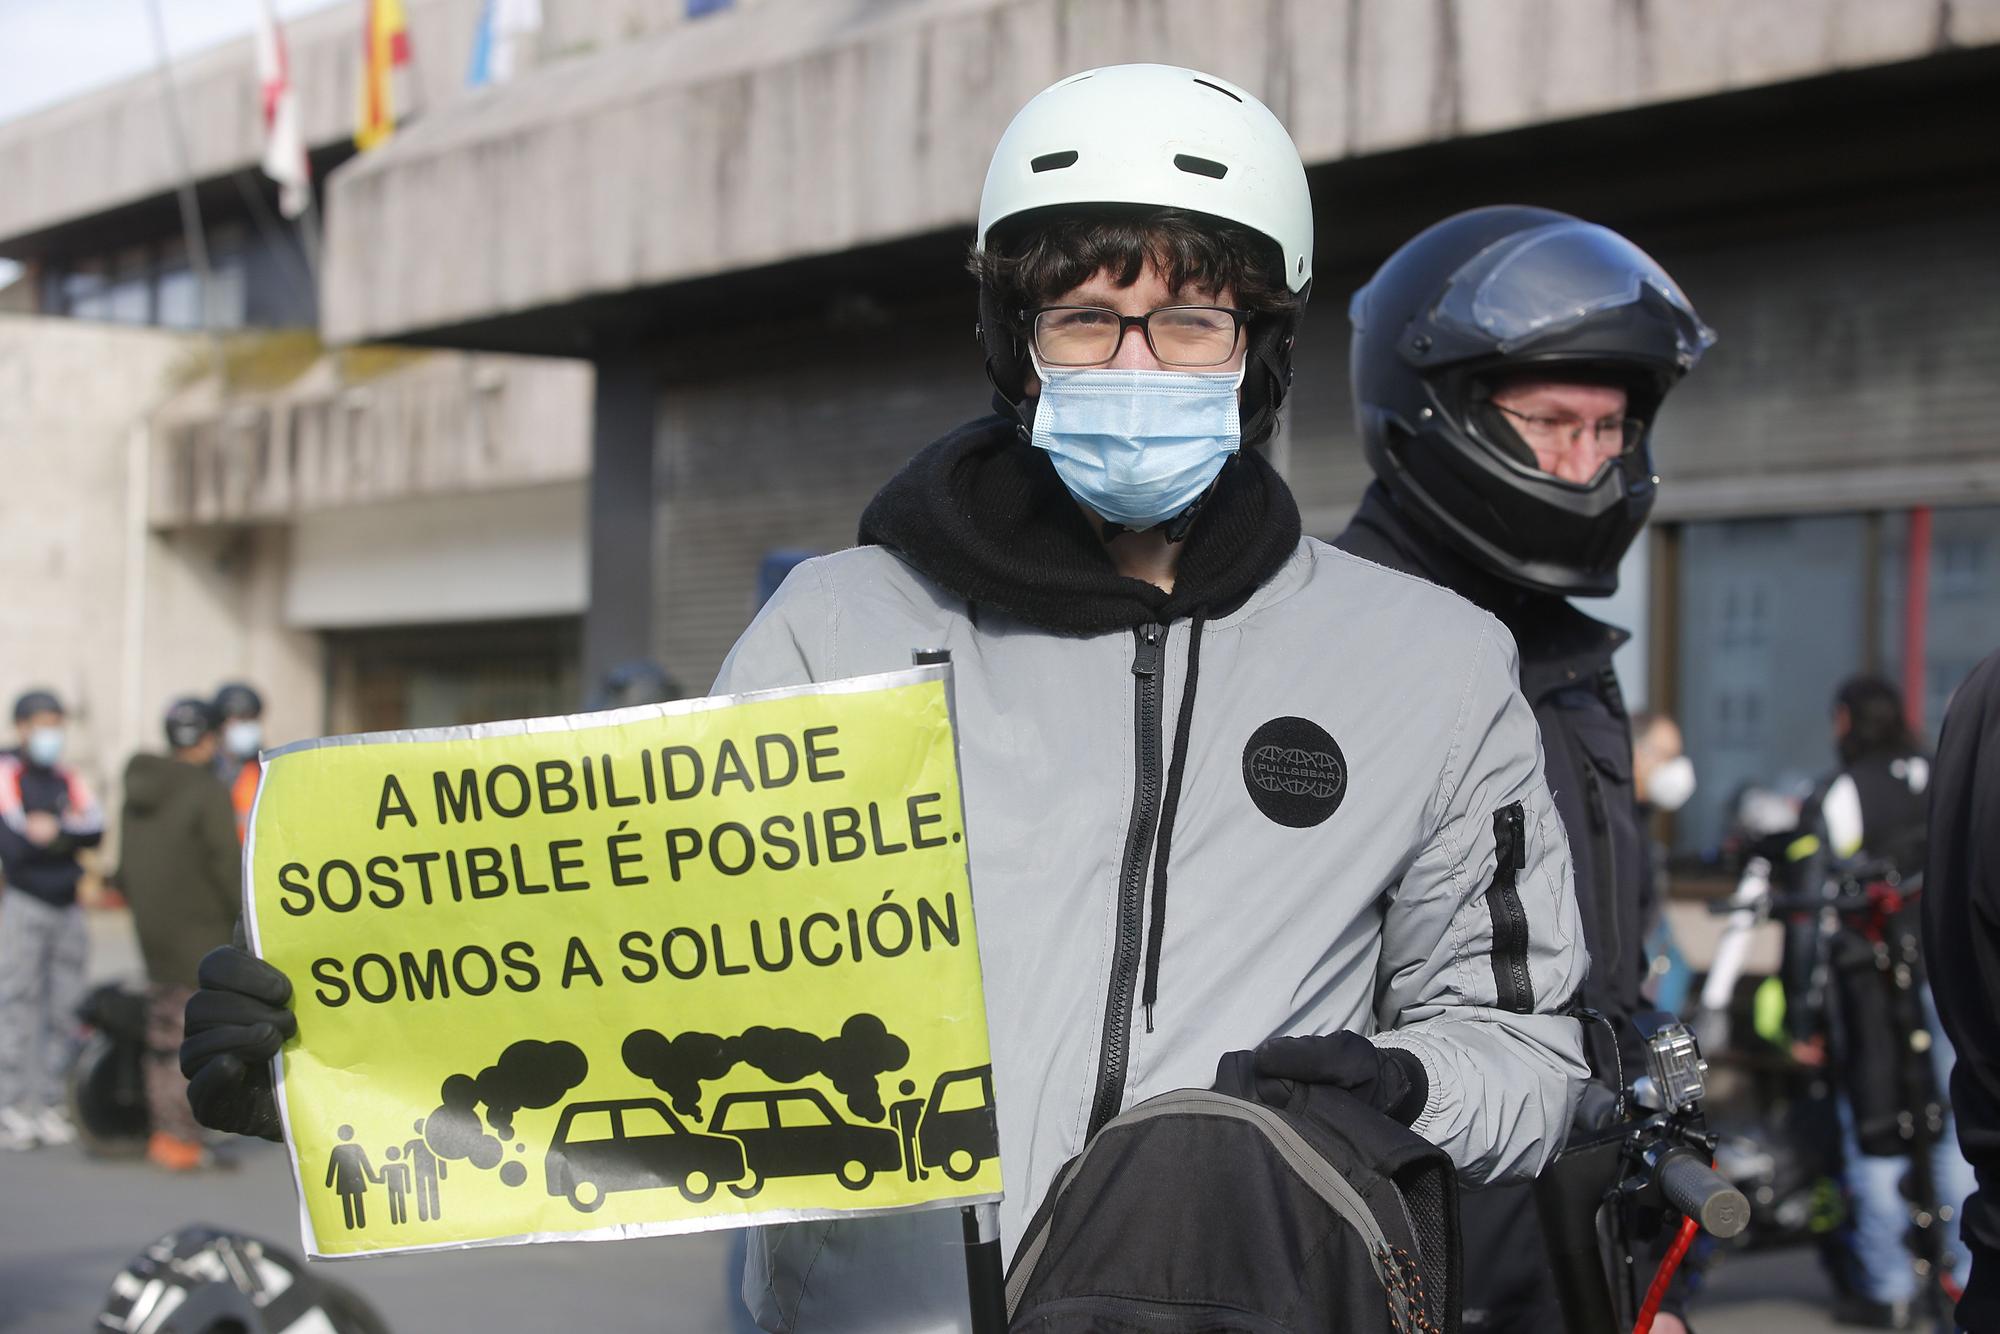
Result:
x=47 y=815
x=1507 y=366
x=1662 y=780
x=240 y=710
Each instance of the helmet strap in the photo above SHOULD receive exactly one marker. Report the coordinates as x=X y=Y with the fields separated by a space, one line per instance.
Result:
x=1006 y=357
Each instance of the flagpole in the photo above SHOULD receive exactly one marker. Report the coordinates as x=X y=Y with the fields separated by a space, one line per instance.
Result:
x=197 y=242
x=309 y=239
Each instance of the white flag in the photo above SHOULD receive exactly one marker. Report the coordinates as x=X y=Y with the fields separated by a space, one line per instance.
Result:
x=284 y=140
x=507 y=29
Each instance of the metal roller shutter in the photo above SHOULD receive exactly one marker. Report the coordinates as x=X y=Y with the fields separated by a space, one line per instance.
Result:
x=786 y=454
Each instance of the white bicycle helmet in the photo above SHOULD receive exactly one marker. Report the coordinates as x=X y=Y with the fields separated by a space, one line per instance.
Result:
x=1155 y=135
x=1163 y=137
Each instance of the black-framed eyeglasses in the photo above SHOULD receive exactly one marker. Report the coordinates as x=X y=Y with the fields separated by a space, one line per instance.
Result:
x=1178 y=335
x=1606 y=432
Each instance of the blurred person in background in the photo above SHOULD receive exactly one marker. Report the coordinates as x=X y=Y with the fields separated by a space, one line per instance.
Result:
x=1663 y=776
x=1961 y=907
x=180 y=870
x=1508 y=364
x=46 y=816
x=239 y=711
x=1870 y=811
x=1662 y=779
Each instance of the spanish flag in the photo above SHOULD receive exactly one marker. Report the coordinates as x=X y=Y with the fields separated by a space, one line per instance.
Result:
x=385 y=47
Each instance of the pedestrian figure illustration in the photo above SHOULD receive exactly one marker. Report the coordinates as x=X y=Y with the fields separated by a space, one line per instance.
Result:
x=426 y=1167
x=904 y=1115
x=348 y=1172
x=395 y=1179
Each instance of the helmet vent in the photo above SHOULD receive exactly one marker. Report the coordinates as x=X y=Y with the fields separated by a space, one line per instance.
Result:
x=1053 y=161
x=1220 y=89
x=1200 y=166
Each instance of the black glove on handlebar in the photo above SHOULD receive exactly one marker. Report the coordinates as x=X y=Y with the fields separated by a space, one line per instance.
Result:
x=235 y=1024
x=1389 y=1079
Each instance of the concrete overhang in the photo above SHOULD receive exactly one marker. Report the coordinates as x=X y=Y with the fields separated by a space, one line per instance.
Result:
x=775 y=137
x=82 y=172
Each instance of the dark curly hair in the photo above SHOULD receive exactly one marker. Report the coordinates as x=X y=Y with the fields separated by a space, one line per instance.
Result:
x=1876 y=725
x=1031 y=265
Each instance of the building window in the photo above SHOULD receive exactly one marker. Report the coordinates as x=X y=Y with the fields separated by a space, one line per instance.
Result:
x=1773 y=616
x=156 y=285
x=1962 y=608
x=83 y=287
x=176 y=295
x=128 y=298
x=178 y=298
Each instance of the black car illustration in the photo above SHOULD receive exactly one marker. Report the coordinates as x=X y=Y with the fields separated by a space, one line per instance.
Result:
x=958 y=1131
x=635 y=1144
x=795 y=1132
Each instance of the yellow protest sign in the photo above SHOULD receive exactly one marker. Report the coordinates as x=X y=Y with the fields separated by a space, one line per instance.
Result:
x=673 y=968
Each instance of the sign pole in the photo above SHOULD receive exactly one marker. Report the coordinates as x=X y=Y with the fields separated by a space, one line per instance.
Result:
x=985 y=1274
x=985 y=1282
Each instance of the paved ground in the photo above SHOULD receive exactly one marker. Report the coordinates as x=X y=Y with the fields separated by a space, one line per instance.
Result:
x=1775 y=1293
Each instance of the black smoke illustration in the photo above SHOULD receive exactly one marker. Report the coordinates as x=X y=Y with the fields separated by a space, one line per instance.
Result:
x=855 y=1059
x=528 y=1074
x=678 y=1065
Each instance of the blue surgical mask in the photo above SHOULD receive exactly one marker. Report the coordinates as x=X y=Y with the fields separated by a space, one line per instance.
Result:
x=45 y=746
x=242 y=736
x=1138 y=447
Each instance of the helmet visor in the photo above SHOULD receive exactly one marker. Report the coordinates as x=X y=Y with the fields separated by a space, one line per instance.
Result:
x=1546 y=280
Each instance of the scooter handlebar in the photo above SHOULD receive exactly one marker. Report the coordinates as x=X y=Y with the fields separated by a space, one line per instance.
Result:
x=1698 y=1191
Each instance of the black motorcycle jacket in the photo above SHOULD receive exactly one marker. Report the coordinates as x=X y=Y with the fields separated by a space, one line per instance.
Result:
x=1567 y=678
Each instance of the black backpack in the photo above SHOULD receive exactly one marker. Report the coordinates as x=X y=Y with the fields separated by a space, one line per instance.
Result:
x=1197 y=1212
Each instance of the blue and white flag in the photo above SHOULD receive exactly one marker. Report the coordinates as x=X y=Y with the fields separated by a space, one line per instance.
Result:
x=506 y=29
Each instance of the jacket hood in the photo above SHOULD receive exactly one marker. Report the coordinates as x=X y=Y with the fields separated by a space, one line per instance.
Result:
x=152 y=780
x=983 y=513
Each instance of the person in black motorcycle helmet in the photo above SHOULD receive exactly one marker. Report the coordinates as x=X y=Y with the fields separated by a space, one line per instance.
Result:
x=1492 y=296
x=1507 y=365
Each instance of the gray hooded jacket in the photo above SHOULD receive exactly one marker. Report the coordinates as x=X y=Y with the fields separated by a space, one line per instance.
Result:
x=1353 y=736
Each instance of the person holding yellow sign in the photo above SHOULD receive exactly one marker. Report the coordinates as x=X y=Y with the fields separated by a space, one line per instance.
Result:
x=1225 y=787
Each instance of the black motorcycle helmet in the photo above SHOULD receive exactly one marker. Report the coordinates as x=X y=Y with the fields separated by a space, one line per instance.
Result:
x=236 y=699
x=1467 y=303
x=187 y=721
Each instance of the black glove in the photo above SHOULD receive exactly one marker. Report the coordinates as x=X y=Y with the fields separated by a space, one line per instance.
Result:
x=1389 y=1079
x=1597 y=1109
x=235 y=1025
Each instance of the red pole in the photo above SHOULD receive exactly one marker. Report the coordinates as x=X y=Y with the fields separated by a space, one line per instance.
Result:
x=1916 y=614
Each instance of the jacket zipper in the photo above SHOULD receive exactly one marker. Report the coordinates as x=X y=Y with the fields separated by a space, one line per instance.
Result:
x=1513 y=986
x=1146 y=711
